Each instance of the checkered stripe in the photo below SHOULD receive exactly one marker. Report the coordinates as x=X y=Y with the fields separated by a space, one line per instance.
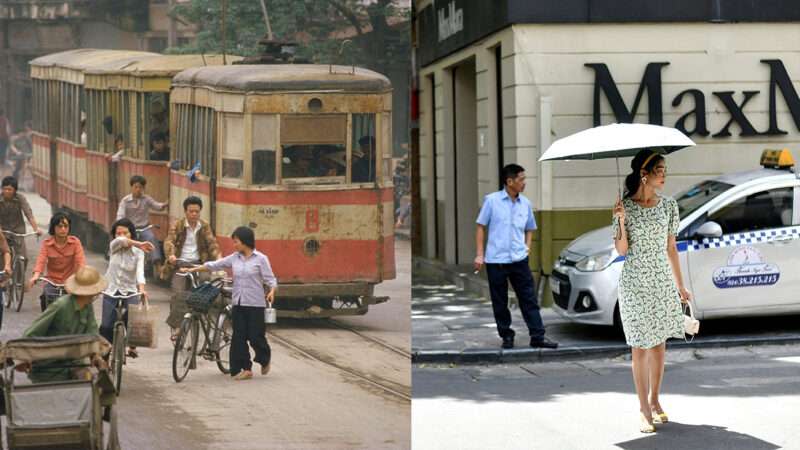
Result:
x=753 y=237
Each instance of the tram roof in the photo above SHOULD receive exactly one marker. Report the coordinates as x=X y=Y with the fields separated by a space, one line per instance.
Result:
x=284 y=77
x=87 y=58
x=159 y=65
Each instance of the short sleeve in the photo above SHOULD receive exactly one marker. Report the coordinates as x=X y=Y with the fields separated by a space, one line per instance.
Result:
x=674 y=217
x=530 y=225
x=485 y=216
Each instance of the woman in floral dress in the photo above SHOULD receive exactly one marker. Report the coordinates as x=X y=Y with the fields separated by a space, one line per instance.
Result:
x=651 y=286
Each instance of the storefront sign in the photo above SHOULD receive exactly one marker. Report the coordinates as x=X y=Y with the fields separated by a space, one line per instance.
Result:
x=451 y=21
x=651 y=82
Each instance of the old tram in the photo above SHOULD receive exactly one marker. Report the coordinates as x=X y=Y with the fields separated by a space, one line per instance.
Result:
x=301 y=154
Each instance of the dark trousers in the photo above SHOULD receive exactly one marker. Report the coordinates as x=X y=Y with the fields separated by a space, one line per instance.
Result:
x=248 y=326
x=519 y=274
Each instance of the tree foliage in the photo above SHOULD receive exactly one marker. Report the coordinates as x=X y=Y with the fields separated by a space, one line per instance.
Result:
x=378 y=30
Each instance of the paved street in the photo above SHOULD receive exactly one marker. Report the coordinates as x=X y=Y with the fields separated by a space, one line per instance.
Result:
x=738 y=398
x=453 y=325
x=334 y=384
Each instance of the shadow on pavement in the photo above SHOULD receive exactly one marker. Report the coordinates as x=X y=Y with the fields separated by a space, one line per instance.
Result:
x=679 y=435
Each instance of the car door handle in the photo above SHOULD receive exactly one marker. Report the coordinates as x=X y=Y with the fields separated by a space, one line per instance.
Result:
x=781 y=240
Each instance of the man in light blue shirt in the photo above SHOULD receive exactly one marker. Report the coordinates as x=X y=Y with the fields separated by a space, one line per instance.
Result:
x=508 y=216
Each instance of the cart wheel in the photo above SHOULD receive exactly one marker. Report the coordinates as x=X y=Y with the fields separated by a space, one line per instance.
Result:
x=222 y=341
x=117 y=358
x=113 y=432
x=185 y=349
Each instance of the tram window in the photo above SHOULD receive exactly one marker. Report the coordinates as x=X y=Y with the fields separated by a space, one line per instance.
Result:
x=156 y=116
x=263 y=167
x=364 y=158
x=314 y=161
x=232 y=168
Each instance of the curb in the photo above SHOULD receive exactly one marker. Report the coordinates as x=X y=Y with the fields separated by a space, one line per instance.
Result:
x=500 y=356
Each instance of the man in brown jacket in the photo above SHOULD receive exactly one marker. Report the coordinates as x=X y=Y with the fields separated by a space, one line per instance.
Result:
x=189 y=239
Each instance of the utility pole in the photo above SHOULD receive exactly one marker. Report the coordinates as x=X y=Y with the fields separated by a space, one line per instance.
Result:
x=266 y=19
x=224 y=7
x=172 y=32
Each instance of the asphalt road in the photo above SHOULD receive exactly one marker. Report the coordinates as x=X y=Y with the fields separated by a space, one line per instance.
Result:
x=336 y=384
x=738 y=398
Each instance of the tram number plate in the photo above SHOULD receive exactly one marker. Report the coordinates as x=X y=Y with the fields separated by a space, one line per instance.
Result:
x=555 y=286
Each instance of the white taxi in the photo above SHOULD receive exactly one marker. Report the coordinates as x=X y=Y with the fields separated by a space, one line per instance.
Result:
x=739 y=247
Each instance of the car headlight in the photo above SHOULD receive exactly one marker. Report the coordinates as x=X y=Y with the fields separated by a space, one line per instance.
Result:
x=595 y=263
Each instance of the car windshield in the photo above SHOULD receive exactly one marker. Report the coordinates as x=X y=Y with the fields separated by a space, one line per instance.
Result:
x=698 y=195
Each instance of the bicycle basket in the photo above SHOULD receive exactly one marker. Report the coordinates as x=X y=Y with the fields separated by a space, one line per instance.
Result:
x=201 y=298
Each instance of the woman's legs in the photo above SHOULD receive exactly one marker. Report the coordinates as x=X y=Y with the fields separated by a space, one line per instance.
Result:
x=639 y=365
x=256 y=335
x=656 y=367
x=240 y=354
x=108 y=318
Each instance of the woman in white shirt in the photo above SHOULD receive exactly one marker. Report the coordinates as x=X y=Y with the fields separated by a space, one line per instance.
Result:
x=125 y=276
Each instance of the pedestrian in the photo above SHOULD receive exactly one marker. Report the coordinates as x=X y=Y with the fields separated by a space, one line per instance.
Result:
x=125 y=275
x=251 y=272
x=192 y=240
x=508 y=219
x=136 y=206
x=21 y=149
x=71 y=314
x=364 y=161
x=14 y=209
x=60 y=254
x=5 y=136
x=651 y=287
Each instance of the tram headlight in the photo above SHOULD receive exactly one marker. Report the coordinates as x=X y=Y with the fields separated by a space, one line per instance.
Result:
x=596 y=262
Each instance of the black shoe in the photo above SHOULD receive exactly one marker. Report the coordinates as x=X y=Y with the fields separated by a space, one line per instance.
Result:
x=508 y=342
x=543 y=343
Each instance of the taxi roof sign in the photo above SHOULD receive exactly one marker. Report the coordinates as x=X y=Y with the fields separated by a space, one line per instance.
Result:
x=778 y=159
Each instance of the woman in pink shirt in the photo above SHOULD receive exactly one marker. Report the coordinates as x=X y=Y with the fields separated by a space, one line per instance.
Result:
x=61 y=255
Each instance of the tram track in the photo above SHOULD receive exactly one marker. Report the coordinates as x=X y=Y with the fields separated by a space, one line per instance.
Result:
x=374 y=340
x=389 y=387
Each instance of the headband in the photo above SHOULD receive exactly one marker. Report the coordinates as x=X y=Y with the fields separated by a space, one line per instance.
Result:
x=644 y=164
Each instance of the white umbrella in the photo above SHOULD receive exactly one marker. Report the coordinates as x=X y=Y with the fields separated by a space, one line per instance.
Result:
x=617 y=140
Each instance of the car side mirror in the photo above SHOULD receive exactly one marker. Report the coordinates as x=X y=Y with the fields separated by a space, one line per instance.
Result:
x=709 y=229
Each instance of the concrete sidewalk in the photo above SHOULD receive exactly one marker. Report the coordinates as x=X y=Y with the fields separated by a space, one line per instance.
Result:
x=454 y=324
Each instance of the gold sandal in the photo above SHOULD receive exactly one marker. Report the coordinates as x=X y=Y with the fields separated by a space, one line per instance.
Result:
x=645 y=426
x=660 y=417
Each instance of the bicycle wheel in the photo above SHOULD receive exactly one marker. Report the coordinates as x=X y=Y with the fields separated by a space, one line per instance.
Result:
x=117 y=359
x=9 y=293
x=222 y=342
x=185 y=349
x=19 y=283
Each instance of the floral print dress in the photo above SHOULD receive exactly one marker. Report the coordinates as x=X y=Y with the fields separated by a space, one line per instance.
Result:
x=649 y=302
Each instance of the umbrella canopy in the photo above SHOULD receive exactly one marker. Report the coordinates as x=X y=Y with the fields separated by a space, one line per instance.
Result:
x=618 y=140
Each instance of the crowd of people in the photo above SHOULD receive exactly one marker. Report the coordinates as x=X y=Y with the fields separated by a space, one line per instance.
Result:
x=70 y=286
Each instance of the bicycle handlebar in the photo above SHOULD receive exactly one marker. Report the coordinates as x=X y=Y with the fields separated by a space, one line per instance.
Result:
x=152 y=225
x=32 y=233
x=119 y=297
x=50 y=282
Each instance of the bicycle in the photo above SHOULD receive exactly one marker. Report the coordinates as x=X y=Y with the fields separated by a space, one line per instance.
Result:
x=119 y=341
x=216 y=333
x=3 y=278
x=45 y=300
x=19 y=265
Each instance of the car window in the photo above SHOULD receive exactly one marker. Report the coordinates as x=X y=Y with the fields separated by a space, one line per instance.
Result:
x=698 y=195
x=759 y=211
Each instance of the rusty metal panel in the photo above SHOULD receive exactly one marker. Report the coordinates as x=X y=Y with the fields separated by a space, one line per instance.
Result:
x=313 y=129
x=299 y=103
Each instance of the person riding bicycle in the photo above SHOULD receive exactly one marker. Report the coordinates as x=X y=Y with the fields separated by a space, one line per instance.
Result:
x=61 y=254
x=190 y=239
x=125 y=276
x=251 y=272
x=14 y=209
x=21 y=149
x=70 y=314
x=136 y=207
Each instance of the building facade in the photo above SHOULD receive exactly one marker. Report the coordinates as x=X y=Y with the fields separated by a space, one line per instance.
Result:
x=32 y=28
x=499 y=81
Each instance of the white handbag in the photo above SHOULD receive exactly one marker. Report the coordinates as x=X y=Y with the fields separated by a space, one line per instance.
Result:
x=691 y=326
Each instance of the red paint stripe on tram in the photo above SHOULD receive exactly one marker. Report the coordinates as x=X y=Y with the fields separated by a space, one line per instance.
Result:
x=366 y=196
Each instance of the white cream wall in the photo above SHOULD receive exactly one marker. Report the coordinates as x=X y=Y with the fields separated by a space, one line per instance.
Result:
x=548 y=62
x=483 y=54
